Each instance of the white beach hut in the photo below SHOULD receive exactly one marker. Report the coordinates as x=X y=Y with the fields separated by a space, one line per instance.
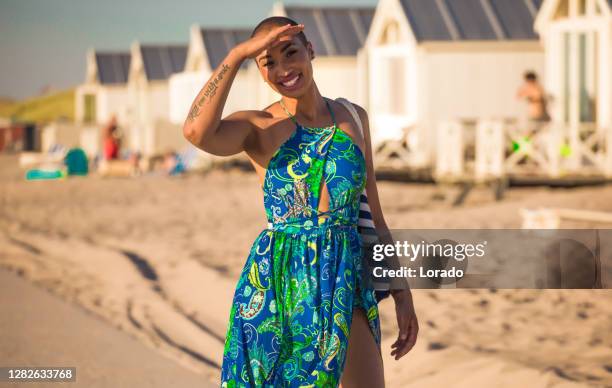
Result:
x=104 y=92
x=148 y=97
x=428 y=61
x=207 y=48
x=577 y=36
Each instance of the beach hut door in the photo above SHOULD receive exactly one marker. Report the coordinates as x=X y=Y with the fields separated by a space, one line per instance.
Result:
x=389 y=91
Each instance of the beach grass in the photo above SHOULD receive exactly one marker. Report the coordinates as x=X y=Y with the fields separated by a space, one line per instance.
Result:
x=7 y=106
x=41 y=109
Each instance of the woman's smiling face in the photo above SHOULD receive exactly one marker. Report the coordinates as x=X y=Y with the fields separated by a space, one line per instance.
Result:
x=287 y=67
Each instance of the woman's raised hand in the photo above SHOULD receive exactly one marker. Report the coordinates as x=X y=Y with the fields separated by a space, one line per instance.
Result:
x=255 y=45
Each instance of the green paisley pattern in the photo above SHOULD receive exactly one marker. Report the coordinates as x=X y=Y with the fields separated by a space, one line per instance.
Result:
x=291 y=313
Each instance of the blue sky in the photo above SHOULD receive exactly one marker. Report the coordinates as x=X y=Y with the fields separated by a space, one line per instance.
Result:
x=44 y=42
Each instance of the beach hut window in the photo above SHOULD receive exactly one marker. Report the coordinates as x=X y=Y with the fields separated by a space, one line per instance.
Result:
x=588 y=75
x=581 y=7
x=197 y=65
x=566 y=78
x=390 y=34
x=562 y=10
x=580 y=76
x=90 y=108
x=584 y=96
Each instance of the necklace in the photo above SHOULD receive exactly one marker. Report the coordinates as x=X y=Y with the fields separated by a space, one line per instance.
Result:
x=292 y=117
x=282 y=104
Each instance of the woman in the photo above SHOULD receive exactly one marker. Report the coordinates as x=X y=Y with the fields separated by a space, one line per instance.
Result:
x=299 y=314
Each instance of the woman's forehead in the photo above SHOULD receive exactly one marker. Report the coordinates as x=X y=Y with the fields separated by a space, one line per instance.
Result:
x=279 y=47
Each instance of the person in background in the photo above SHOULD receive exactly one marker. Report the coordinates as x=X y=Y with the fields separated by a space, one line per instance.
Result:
x=135 y=163
x=112 y=142
x=173 y=164
x=532 y=91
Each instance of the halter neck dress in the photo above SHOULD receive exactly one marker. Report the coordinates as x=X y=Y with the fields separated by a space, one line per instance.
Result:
x=291 y=314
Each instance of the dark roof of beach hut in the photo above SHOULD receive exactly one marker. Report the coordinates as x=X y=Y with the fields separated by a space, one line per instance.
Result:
x=334 y=30
x=456 y=20
x=161 y=61
x=219 y=41
x=113 y=67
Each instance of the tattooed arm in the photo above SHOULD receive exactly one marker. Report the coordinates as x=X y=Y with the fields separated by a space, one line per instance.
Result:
x=204 y=127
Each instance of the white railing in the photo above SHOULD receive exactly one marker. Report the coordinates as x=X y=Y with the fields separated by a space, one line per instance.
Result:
x=403 y=148
x=501 y=148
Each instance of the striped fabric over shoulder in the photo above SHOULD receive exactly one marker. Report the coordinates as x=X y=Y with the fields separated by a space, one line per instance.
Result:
x=366 y=226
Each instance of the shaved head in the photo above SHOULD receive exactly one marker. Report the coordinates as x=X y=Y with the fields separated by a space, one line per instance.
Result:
x=277 y=21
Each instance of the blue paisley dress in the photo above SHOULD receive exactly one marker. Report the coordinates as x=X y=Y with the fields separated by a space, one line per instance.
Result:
x=291 y=314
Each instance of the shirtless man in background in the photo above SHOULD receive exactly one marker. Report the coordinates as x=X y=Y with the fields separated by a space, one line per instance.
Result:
x=535 y=95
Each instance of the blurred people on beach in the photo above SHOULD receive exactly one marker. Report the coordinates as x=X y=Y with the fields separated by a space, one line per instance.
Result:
x=532 y=91
x=112 y=163
x=135 y=162
x=112 y=141
x=172 y=164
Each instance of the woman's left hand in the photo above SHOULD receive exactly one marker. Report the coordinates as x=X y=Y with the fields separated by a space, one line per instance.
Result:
x=406 y=322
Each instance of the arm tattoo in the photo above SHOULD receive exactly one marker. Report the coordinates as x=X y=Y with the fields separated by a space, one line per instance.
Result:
x=209 y=91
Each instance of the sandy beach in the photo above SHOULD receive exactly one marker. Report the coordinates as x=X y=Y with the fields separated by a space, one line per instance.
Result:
x=69 y=336
x=158 y=258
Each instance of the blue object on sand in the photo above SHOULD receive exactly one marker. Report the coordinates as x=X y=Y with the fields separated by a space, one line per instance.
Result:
x=37 y=174
x=76 y=162
x=179 y=167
